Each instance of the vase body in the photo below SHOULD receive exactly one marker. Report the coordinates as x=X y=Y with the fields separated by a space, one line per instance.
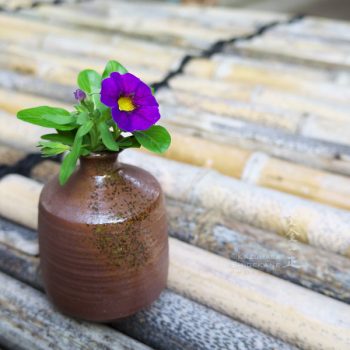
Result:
x=103 y=240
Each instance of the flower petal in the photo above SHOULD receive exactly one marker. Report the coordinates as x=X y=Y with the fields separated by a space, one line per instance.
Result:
x=147 y=100
x=110 y=92
x=122 y=119
x=151 y=113
x=130 y=83
x=143 y=90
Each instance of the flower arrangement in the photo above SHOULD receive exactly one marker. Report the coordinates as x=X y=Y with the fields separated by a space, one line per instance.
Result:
x=114 y=111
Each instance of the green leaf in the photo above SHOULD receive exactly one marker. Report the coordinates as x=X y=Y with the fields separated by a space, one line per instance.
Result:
x=84 y=129
x=107 y=137
x=49 y=148
x=129 y=142
x=70 y=161
x=84 y=152
x=89 y=81
x=155 y=139
x=66 y=139
x=82 y=118
x=113 y=66
x=50 y=117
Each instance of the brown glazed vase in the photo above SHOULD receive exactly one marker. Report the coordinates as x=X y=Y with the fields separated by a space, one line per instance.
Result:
x=103 y=240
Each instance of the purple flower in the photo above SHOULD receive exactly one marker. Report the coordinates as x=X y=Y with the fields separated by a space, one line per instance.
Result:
x=79 y=95
x=131 y=101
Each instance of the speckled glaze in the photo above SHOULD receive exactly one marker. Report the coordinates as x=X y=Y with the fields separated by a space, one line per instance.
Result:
x=103 y=240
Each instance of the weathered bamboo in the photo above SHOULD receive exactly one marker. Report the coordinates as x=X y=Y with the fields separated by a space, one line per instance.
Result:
x=19 y=237
x=9 y=156
x=299 y=263
x=272 y=115
x=34 y=34
x=308 y=319
x=25 y=312
x=64 y=70
x=287 y=259
x=30 y=84
x=256 y=168
x=172 y=322
x=319 y=225
x=57 y=68
x=312 y=88
x=18 y=134
x=311 y=152
x=159 y=22
x=260 y=169
x=320 y=154
x=13 y=101
x=323 y=104
x=252 y=167
x=281 y=44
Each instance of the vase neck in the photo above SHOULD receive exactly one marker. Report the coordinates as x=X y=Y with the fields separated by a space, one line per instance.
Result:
x=99 y=164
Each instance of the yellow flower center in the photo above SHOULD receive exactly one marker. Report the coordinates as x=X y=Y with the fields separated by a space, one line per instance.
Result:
x=125 y=104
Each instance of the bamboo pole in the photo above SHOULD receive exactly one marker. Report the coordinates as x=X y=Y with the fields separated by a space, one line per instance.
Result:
x=276 y=45
x=299 y=149
x=323 y=103
x=60 y=68
x=307 y=85
x=25 y=312
x=156 y=22
x=321 y=226
x=263 y=301
x=287 y=259
x=260 y=169
x=20 y=135
x=324 y=227
x=272 y=115
x=40 y=35
x=170 y=323
x=311 y=152
x=256 y=168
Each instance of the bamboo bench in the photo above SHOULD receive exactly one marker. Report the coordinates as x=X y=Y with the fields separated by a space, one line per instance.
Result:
x=256 y=181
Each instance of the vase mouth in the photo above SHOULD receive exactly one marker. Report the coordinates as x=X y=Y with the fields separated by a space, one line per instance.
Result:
x=101 y=155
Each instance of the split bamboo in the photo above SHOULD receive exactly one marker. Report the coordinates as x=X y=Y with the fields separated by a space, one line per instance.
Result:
x=25 y=312
x=287 y=259
x=170 y=323
x=263 y=301
x=257 y=168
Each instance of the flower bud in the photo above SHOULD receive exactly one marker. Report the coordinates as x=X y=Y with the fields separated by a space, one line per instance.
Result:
x=79 y=95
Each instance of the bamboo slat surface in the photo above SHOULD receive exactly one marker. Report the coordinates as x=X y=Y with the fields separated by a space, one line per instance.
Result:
x=263 y=300
x=318 y=270
x=252 y=167
x=258 y=105
x=172 y=322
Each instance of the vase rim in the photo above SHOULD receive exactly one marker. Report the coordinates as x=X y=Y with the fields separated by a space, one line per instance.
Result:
x=101 y=155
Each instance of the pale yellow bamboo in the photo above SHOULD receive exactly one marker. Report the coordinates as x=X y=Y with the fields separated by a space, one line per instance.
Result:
x=262 y=170
x=321 y=53
x=20 y=135
x=293 y=313
x=57 y=68
x=43 y=35
x=297 y=80
x=284 y=176
x=12 y=102
x=228 y=160
x=275 y=100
